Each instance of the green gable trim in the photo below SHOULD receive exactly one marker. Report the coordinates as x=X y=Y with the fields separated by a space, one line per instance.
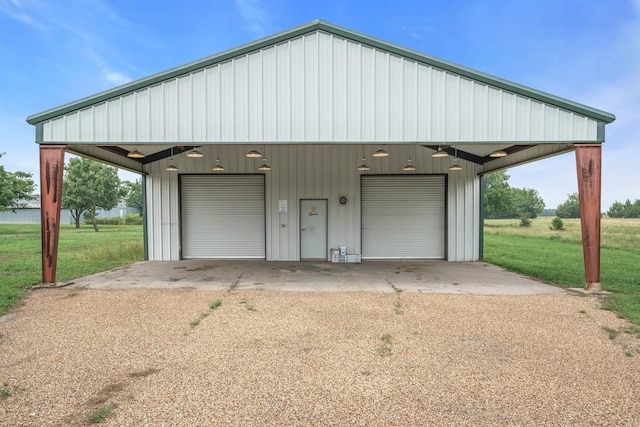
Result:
x=326 y=27
x=600 y=135
x=39 y=133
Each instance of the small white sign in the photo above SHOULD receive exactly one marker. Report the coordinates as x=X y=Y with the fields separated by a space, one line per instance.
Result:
x=282 y=204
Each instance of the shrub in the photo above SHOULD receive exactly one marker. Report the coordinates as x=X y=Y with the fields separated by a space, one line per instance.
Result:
x=556 y=224
x=525 y=221
x=133 y=219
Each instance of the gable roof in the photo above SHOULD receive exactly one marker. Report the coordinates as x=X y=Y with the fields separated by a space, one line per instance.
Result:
x=319 y=25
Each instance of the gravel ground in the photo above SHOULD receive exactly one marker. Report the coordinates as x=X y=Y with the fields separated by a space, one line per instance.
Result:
x=288 y=358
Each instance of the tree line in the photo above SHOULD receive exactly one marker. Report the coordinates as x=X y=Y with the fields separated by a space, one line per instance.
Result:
x=503 y=201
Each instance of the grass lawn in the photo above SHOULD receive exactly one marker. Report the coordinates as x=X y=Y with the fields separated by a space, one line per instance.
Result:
x=81 y=252
x=556 y=256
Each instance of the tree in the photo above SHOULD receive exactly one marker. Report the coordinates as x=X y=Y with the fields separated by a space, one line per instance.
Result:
x=15 y=187
x=570 y=208
x=625 y=210
x=527 y=203
x=497 y=195
x=132 y=193
x=89 y=186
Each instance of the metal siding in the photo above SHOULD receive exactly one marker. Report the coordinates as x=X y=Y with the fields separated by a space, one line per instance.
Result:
x=283 y=118
x=254 y=97
x=403 y=217
x=223 y=216
x=323 y=88
x=199 y=106
x=311 y=171
x=213 y=99
x=142 y=124
x=129 y=117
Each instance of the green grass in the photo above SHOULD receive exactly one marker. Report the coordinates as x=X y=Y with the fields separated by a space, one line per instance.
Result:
x=81 y=252
x=98 y=415
x=556 y=256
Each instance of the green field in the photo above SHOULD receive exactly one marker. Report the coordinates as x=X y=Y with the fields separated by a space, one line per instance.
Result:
x=81 y=252
x=556 y=256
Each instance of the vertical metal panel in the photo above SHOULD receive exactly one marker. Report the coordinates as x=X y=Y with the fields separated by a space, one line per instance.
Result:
x=213 y=100
x=86 y=124
x=325 y=88
x=156 y=106
x=241 y=101
x=101 y=123
x=114 y=120
x=129 y=117
x=269 y=95
x=311 y=94
x=142 y=123
x=199 y=106
x=284 y=106
x=255 y=81
x=341 y=120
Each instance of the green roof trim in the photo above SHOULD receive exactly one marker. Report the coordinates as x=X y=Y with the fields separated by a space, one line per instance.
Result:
x=319 y=25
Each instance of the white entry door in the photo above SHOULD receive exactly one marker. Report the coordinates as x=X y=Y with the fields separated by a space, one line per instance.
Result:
x=313 y=230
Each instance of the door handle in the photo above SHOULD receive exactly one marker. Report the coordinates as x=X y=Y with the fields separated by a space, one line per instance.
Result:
x=303 y=228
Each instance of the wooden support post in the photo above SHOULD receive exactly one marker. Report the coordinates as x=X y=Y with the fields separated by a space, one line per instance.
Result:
x=51 y=172
x=589 y=167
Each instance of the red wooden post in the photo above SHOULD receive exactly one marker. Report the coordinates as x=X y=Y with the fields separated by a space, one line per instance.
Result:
x=589 y=167
x=51 y=172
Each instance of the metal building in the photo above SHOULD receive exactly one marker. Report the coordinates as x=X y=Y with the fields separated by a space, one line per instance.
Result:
x=358 y=143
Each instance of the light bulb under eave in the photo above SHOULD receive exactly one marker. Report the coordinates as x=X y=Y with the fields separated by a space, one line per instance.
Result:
x=380 y=153
x=409 y=167
x=135 y=154
x=194 y=153
x=172 y=167
x=254 y=154
x=498 y=153
x=363 y=167
x=218 y=167
x=455 y=167
x=264 y=167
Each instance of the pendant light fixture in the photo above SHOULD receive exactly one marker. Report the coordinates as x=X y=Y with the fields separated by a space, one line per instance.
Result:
x=363 y=166
x=254 y=154
x=264 y=166
x=135 y=154
x=439 y=153
x=194 y=153
x=409 y=166
x=218 y=167
x=380 y=153
x=172 y=167
x=455 y=166
x=498 y=153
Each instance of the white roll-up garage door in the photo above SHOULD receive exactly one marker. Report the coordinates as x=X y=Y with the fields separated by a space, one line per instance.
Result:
x=403 y=217
x=222 y=216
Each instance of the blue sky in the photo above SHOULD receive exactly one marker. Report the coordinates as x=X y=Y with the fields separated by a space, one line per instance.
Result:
x=54 y=51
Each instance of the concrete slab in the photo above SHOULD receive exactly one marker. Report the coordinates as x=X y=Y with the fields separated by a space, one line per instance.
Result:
x=477 y=278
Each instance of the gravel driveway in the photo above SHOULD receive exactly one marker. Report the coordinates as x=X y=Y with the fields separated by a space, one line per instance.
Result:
x=165 y=357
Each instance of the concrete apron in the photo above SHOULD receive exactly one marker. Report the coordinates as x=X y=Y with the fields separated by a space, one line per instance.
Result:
x=372 y=276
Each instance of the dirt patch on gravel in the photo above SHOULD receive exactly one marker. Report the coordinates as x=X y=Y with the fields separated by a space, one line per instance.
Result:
x=287 y=358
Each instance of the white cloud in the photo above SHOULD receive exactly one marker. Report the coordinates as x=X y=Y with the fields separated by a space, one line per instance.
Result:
x=16 y=10
x=116 y=78
x=254 y=15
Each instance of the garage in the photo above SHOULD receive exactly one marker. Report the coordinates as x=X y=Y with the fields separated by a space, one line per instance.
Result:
x=403 y=217
x=222 y=216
